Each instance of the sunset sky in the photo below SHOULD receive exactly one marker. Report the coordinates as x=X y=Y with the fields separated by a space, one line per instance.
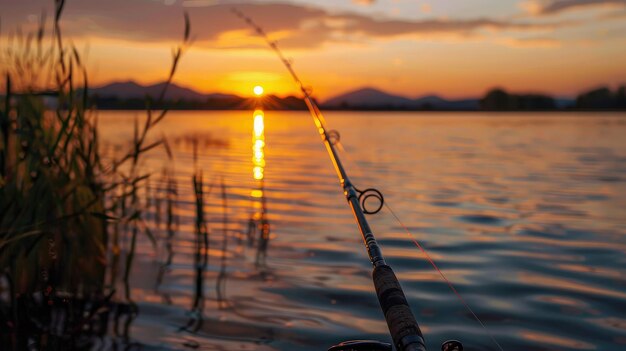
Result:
x=454 y=48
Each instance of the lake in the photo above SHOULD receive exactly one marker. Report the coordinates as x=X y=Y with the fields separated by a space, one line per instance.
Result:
x=524 y=213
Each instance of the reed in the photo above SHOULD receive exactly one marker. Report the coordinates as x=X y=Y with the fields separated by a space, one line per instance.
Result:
x=220 y=283
x=64 y=202
x=201 y=234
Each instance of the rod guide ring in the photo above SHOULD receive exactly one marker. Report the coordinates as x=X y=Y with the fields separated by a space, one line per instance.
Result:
x=368 y=194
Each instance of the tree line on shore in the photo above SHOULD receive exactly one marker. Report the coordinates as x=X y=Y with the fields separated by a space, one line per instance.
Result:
x=597 y=99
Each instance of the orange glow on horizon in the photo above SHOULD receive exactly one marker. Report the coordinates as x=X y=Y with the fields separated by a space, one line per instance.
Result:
x=460 y=68
x=238 y=72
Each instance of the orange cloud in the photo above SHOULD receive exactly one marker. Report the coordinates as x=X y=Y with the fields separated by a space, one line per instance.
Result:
x=532 y=42
x=553 y=7
x=364 y=2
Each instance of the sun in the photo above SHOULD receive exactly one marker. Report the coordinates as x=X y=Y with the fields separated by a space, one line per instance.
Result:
x=258 y=90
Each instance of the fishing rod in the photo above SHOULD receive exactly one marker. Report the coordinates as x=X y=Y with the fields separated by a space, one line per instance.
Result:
x=403 y=327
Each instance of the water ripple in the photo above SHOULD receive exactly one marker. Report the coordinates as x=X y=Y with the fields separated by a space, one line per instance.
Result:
x=523 y=213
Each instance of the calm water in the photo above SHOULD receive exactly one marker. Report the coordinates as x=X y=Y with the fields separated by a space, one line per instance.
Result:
x=526 y=214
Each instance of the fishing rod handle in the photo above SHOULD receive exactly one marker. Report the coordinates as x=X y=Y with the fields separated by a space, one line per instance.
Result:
x=403 y=327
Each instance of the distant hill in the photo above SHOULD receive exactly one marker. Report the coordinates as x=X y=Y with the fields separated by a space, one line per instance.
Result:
x=370 y=98
x=133 y=90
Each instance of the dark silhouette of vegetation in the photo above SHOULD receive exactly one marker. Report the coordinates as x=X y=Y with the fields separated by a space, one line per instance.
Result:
x=216 y=103
x=596 y=99
x=602 y=99
x=63 y=199
x=500 y=100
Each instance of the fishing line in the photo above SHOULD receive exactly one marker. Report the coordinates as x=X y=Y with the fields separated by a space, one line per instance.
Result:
x=443 y=276
x=430 y=260
x=333 y=138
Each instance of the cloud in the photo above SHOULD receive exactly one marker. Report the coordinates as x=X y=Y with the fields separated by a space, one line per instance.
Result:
x=215 y=26
x=532 y=42
x=364 y=2
x=613 y=15
x=553 y=7
x=390 y=28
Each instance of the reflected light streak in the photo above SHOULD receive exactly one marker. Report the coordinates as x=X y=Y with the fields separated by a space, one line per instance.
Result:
x=259 y=156
x=258 y=145
x=258 y=173
x=258 y=225
x=259 y=126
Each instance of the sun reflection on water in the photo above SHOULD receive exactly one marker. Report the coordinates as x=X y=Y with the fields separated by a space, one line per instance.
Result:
x=258 y=145
x=258 y=223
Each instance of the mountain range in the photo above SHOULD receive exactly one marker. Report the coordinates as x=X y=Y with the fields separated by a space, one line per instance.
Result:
x=133 y=90
x=370 y=98
x=365 y=98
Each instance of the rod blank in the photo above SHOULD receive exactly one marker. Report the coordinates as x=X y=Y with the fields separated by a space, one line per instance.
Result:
x=403 y=327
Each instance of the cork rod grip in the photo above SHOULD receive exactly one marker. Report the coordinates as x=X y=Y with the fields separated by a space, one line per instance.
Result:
x=403 y=327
